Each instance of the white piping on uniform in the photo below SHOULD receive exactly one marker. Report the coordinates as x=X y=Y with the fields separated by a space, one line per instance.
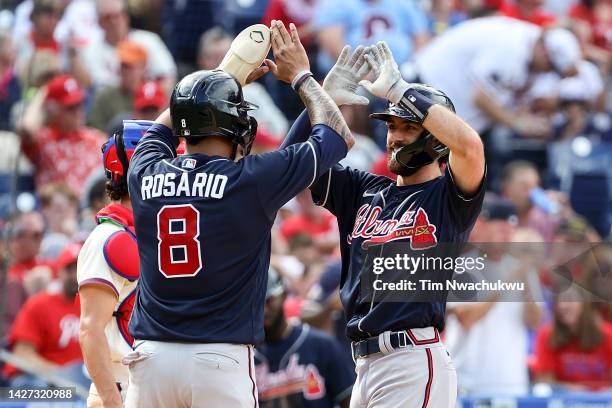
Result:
x=314 y=153
x=327 y=191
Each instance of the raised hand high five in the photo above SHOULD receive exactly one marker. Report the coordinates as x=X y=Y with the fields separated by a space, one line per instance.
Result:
x=342 y=81
x=389 y=83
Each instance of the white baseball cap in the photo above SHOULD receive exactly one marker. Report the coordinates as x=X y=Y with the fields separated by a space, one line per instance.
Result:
x=563 y=48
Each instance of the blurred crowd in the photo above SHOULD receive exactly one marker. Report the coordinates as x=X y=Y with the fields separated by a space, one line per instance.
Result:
x=72 y=70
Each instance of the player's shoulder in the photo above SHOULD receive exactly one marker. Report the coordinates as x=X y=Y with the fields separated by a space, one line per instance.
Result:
x=98 y=236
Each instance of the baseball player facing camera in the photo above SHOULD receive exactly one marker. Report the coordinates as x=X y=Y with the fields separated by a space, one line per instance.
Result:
x=203 y=224
x=400 y=360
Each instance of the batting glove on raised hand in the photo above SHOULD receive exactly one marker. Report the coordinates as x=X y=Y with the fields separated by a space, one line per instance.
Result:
x=389 y=83
x=342 y=81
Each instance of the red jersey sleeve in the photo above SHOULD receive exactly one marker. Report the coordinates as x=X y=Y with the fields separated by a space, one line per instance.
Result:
x=544 y=353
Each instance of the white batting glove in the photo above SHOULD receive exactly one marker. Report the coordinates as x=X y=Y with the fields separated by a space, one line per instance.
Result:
x=342 y=81
x=389 y=83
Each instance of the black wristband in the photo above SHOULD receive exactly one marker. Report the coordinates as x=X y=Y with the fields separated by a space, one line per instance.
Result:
x=417 y=103
x=298 y=83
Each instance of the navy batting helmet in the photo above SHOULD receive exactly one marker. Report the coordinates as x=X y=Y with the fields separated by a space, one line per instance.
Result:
x=426 y=148
x=210 y=103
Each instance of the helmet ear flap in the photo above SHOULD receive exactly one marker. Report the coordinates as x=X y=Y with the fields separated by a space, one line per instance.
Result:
x=122 y=156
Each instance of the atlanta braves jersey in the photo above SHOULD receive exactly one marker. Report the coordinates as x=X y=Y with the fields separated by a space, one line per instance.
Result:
x=302 y=371
x=373 y=210
x=203 y=226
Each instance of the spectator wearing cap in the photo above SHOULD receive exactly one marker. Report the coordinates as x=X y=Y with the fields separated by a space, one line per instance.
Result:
x=25 y=236
x=574 y=351
x=313 y=221
x=113 y=100
x=476 y=339
x=531 y=11
x=298 y=365
x=101 y=57
x=150 y=100
x=63 y=150
x=537 y=209
x=45 y=333
x=499 y=57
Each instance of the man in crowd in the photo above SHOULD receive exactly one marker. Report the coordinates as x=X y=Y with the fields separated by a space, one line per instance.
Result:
x=45 y=333
x=298 y=365
x=114 y=100
x=64 y=150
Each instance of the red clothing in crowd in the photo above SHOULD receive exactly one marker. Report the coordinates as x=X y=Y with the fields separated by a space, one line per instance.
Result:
x=19 y=270
x=301 y=224
x=570 y=364
x=601 y=30
x=50 y=322
x=380 y=167
x=539 y=17
x=65 y=157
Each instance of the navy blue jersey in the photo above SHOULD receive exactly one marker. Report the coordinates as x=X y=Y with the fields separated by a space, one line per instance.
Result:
x=372 y=209
x=203 y=226
x=302 y=371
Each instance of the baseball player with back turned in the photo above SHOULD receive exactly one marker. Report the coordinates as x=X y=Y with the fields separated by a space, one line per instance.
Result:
x=203 y=223
x=400 y=360
x=107 y=272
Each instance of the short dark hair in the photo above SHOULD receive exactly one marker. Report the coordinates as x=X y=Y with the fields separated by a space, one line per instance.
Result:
x=116 y=193
x=514 y=167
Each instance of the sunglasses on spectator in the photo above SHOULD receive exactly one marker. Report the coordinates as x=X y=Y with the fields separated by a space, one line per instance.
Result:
x=48 y=10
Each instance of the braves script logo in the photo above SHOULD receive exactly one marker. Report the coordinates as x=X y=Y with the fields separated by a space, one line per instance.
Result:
x=412 y=225
x=290 y=380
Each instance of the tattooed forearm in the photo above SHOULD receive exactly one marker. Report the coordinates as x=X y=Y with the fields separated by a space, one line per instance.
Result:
x=322 y=109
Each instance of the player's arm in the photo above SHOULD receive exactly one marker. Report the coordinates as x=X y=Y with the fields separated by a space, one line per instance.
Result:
x=97 y=306
x=466 y=149
x=292 y=66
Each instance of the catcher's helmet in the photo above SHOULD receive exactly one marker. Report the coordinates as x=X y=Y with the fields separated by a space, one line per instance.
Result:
x=426 y=148
x=118 y=151
x=210 y=103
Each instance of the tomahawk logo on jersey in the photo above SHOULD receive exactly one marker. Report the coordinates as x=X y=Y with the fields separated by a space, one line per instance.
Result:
x=220 y=241
x=302 y=371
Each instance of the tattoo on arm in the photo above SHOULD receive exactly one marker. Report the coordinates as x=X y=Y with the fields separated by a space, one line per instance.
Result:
x=323 y=110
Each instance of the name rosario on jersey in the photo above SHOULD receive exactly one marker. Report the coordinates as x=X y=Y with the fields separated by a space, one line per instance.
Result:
x=206 y=185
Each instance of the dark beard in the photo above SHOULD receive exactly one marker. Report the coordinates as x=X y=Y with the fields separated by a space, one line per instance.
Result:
x=396 y=167
x=70 y=289
x=274 y=331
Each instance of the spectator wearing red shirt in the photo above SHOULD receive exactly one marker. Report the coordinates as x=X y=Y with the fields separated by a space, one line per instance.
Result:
x=313 y=221
x=64 y=150
x=528 y=10
x=45 y=333
x=597 y=16
x=25 y=237
x=575 y=350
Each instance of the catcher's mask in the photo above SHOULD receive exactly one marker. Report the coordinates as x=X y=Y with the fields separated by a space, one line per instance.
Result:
x=426 y=149
x=118 y=151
